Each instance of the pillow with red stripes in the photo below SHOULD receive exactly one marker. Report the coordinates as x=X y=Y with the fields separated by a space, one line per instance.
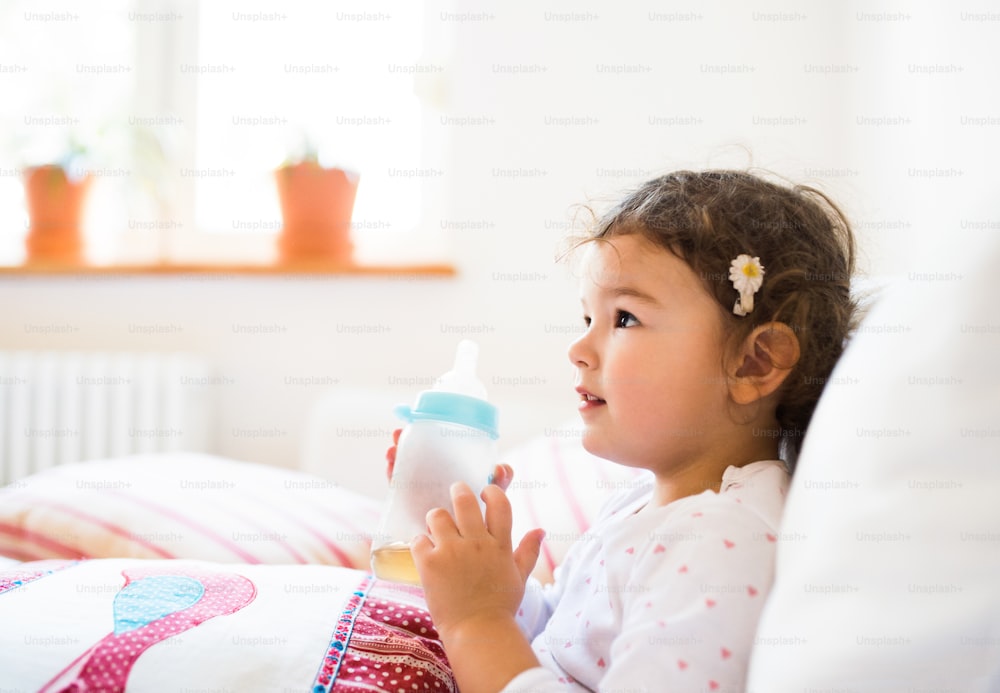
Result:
x=185 y=505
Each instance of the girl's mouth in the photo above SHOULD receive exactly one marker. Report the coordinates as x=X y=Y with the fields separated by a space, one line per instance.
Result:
x=588 y=400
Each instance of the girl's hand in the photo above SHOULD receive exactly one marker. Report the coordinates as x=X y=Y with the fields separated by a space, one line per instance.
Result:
x=503 y=474
x=390 y=454
x=471 y=574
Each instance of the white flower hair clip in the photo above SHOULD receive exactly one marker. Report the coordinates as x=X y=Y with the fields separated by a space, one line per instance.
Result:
x=747 y=274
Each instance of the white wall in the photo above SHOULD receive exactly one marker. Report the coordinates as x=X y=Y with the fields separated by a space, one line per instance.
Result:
x=799 y=76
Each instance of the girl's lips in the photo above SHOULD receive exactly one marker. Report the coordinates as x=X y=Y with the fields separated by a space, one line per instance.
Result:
x=590 y=404
x=588 y=400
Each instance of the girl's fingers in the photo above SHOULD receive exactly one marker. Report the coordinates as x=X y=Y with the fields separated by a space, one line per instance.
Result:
x=467 y=520
x=499 y=518
x=440 y=525
x=390 y=458
x=390 y=454
x=503 y=474
x=526 y=553
x=468 y=517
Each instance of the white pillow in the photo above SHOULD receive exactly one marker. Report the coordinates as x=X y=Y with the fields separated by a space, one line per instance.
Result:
x=889 y=550
x=185 y=505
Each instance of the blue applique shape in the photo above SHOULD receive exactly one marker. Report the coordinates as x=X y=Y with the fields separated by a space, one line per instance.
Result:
x=151 y=598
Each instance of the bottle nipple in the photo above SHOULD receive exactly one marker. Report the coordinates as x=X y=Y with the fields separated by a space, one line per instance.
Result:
x=461 y=379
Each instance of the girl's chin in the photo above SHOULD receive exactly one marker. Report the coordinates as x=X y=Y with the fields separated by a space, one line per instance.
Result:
x=598 y=446
x=595 y=445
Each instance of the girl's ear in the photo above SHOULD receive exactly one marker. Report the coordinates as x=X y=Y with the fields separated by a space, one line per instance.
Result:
x=763 y=362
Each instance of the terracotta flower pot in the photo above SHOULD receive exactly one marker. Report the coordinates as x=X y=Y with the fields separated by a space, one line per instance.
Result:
x=55 y=209
x=316 y=207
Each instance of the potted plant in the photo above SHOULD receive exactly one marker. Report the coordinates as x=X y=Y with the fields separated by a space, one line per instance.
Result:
x=55 y=195
x=316 y=202
x=56 y=191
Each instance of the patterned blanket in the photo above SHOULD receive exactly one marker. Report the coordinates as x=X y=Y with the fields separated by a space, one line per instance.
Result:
x=146 y=625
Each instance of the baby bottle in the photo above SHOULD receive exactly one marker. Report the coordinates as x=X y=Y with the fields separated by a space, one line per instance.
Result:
x=450 y=436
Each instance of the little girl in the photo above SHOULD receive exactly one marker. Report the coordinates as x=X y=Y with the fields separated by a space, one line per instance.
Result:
x=716 y=304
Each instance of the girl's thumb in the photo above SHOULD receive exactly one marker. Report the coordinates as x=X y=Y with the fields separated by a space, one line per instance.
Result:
x=526 y=553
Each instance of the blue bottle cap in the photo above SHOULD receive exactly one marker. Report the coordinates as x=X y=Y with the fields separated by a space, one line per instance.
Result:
x=433 y=405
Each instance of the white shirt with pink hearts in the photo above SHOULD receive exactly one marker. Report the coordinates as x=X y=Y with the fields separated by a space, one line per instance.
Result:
x=664 y=599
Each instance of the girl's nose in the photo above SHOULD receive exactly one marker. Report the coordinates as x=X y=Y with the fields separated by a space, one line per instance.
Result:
x=581 y=352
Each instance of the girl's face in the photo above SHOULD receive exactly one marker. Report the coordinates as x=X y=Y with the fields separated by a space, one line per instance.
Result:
x=653 y=391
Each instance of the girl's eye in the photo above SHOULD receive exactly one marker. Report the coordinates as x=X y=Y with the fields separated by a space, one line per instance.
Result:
x=586 y=320
x=625 y=319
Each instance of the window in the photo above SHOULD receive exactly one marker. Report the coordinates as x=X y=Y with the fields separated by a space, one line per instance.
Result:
x=67 y=80
x=186 y=109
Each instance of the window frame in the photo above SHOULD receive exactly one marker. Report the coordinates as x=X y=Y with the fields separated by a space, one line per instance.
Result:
x=162 y=95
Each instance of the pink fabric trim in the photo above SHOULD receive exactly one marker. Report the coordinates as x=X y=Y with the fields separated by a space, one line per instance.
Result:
x=335 y=652
x=20 y=575
x=385 y=641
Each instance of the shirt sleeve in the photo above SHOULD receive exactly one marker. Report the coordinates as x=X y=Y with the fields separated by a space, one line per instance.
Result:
x=539 y=601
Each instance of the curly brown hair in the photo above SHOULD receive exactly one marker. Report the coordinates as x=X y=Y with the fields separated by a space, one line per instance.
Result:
x=804 y=242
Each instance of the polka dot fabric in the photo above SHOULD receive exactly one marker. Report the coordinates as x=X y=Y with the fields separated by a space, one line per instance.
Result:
x=392 y=646
x=152 y=606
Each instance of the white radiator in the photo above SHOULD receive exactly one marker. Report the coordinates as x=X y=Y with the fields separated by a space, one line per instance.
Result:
x=59 y=407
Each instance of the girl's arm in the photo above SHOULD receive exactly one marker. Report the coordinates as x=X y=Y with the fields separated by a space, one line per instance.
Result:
x=474 y=580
